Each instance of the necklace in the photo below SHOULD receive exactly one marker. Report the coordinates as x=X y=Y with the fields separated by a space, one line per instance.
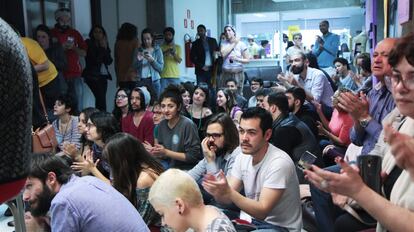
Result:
x=199 y=120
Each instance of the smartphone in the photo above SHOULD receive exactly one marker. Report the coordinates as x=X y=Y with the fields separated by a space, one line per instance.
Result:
x=306 y=160
x=146 y=53
x=70 y=39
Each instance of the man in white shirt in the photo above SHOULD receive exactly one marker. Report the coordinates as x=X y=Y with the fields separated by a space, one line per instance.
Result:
x=272 y=201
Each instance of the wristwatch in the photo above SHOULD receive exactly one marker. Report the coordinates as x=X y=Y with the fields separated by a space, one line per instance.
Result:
x=364 y=122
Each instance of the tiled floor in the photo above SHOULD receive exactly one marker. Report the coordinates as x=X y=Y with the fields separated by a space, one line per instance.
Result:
x=4 y=220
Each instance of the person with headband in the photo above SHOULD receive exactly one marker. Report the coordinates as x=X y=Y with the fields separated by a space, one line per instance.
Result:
x=235 y=54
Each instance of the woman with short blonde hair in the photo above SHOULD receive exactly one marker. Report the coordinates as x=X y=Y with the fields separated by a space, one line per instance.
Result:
x=177 y=198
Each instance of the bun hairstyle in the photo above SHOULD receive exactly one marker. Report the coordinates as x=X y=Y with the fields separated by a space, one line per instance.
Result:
x=174 y=93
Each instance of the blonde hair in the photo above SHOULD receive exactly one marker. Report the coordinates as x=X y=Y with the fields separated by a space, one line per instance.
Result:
x=173 y=184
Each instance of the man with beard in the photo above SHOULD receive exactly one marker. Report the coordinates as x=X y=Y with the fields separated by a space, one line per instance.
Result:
x=296 y=98
x=139 y=122
x=172 y=58
x=202 y=55
x=74 y=47
x=271 y=199
x=231 y=84
x=76 y=203
x=312 y=80
x=326 y=47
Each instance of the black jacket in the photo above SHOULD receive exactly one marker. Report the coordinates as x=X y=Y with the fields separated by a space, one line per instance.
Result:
x=198 y=56
x=95 y=57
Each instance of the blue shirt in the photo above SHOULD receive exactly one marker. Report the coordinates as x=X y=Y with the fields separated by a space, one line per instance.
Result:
x=88 y=204
x=327 y=55
x=381 y=103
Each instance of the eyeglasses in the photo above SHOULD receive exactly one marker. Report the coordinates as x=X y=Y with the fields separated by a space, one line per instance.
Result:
x=408 y=83
x=297 y=38
x=214 y=135
x=121 y=96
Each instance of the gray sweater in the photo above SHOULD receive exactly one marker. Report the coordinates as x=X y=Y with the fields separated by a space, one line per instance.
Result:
x=183 y=137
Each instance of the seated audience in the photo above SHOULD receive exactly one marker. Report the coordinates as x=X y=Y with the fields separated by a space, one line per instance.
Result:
x=133 y=171
x=101 y=126
x=66 y=125
x=227 y=103
x=296 y=98
x=231 y=84
x=267 y=174
x=139 y=122
x=177 y=135
x=364 y=73
x=187 y=93
x=121 y=104
x=255 y=85
x=199 y=111
x=344 y=77
x=76 y=203
x=177 y=198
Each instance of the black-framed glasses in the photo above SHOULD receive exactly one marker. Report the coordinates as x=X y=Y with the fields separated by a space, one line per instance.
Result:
x=214 y=135
x=121 y=96
x=408 y=83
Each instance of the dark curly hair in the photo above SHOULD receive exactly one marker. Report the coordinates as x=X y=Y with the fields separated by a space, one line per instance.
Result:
x=106 y=125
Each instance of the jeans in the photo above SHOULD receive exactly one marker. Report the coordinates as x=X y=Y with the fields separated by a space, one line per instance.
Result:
x=165 y=82
x=128 y=84
x=263 y=226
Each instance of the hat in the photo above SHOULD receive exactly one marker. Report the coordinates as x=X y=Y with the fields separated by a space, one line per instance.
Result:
x=62 y=12
x=147 y=95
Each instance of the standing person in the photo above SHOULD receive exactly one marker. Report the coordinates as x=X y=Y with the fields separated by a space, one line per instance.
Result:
x=133 y=171
x=172 y=58
x=203 y=53
x=297 y=45
x=139 y=122
x=76 y=203
x=271 y=199
x=253 y=48
x=96 y=72
x=54 y=52
x=47 y=75
x=326 y=47
x=75 y=47
x=177 y=135
x=126 y=43
x=149 y=62
x=235 y=54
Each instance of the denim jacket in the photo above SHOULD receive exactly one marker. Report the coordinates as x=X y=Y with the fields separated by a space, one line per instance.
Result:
x=156 y=66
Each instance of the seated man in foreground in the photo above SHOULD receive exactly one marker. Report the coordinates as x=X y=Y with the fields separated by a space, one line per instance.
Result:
x=268 y=175
x=76 y=203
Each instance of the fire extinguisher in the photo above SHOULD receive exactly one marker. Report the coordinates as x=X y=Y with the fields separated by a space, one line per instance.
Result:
x=187 y=50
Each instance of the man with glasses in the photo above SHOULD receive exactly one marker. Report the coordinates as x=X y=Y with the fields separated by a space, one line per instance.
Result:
x=297 y=46
x=255 y=85
x=271 y=201
x=139 y=123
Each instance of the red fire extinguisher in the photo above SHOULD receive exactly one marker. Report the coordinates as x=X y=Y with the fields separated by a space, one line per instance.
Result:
x=187 y=50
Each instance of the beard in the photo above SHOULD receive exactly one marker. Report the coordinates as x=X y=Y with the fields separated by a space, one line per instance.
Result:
x=44 y=200
x=168 y=41
x=62 y=27
x=297 y=69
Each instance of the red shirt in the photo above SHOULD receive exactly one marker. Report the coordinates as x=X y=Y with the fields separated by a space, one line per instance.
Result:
x=74 y=69
x=145 y=129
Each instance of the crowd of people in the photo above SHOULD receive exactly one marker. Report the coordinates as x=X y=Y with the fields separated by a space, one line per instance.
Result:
x=204 y=156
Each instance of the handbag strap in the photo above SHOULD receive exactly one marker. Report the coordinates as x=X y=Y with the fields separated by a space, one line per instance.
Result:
x=351 y=211
x=43 y=106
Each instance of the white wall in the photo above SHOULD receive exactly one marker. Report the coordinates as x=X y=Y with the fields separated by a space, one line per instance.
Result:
x=114 y=14
x=202 y=12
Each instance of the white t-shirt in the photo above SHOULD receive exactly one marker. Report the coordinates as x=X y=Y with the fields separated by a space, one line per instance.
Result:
x=275 y=171
x=236 y=52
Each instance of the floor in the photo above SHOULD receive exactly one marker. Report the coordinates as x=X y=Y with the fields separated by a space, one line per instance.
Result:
x=4 y=220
